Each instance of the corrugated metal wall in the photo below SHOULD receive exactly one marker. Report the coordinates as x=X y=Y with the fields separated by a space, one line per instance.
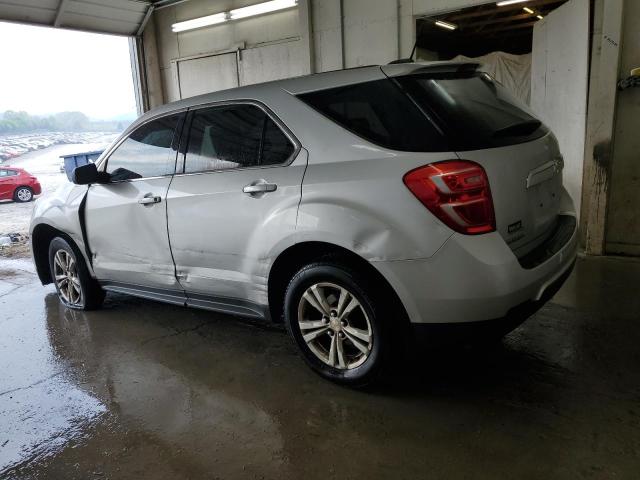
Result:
x=121 y=17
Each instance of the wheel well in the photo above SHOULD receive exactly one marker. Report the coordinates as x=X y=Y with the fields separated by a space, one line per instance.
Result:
x=297 y=256
x=40 y=240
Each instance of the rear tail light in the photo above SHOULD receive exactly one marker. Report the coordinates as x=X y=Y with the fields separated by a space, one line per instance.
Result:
x=457 y=192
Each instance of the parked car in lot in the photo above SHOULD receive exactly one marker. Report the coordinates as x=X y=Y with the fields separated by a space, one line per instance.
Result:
x=355 y=206
x=18 y=185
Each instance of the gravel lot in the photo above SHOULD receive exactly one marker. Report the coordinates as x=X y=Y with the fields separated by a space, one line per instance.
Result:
x=44 y=164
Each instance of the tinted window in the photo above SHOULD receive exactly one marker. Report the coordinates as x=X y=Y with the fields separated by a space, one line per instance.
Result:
x=8 y=173
x=234 y=136
x=148 y=152
x=224 y=137
x=379 y=112
x=474 y=110
x=276 y=147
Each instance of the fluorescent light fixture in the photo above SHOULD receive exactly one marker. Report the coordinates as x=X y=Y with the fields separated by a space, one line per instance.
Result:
x=238 y=13
x=509 y=2
x=540 y=17
x=261 y=8
x=447 y=25
x=199 y=22
x=528 y=10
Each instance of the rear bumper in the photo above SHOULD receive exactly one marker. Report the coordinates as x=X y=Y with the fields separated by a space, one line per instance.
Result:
x=37 y=189
x=476 y=279
x=438 y=333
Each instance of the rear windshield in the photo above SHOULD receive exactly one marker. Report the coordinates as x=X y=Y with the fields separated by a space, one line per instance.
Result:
x=473 y=109
x=438 y=112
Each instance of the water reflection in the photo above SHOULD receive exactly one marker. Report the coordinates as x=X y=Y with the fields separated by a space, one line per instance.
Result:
x=176 y=400
x=41 y=410
x=141 y=389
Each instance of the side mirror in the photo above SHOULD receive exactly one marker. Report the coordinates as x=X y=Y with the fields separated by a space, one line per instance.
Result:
x=86 y=174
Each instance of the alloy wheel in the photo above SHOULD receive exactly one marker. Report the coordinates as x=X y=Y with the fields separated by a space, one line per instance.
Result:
x=335 y=326
x=66 y=277
x=24 y=194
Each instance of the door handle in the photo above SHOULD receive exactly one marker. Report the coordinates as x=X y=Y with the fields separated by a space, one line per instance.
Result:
x=150 y=199
x=260 y=186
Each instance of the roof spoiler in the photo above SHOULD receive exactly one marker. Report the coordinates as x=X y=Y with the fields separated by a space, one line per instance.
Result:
x=404 y=68
x=401 y=60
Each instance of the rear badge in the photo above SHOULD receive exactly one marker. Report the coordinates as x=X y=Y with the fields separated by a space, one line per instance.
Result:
x=514 y=227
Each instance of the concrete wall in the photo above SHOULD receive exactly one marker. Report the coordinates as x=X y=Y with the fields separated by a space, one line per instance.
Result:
x=343 y=34
x=623 y=212
x=559 y=82
x=352 y=33
x=248 y=33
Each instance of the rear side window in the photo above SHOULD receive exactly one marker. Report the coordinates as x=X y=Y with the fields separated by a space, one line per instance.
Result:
x=379 y=112
x=235 y=136
x=8 y=173
x=147 y=152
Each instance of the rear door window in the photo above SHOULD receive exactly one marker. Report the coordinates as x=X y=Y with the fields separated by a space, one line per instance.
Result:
x=379 y=112
x=235 y=136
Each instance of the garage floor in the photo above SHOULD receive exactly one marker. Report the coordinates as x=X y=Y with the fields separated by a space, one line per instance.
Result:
x=145 y=390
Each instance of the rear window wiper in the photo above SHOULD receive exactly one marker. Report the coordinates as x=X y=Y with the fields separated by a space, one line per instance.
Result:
x=517 y=129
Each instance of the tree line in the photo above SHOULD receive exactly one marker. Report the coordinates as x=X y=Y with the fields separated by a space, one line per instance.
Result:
x=21 y=122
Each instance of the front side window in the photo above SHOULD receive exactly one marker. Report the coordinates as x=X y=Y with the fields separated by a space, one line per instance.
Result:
x=234 y=136
x=148 y=152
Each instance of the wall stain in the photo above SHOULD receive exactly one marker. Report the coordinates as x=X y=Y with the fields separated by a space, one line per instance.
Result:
x=599 y=185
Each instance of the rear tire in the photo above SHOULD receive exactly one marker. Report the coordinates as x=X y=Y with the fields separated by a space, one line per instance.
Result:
x=23 y=194
x=341 y=323
x=74 y=284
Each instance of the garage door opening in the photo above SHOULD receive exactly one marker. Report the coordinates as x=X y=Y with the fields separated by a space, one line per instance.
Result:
x=61 y=93
x=499 y=37
x=538 y=49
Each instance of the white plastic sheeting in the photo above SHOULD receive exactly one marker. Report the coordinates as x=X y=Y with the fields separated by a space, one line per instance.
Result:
x=512 y=71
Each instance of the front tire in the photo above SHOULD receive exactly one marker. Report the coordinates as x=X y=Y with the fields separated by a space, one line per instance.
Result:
x=339 y=320
x=75 y=286
x=23 y=195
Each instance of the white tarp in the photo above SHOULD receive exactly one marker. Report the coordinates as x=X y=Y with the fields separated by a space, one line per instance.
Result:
x=512 y=71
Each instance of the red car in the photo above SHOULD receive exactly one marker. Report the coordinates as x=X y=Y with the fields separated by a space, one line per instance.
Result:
x=18 y=185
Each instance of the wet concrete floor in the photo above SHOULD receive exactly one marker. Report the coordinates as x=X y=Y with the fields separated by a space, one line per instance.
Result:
x=145 y=390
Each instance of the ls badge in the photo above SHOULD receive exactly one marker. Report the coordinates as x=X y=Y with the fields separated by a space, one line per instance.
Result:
x=514 y=227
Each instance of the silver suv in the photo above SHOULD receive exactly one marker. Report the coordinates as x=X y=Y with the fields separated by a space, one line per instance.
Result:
x=354 y=206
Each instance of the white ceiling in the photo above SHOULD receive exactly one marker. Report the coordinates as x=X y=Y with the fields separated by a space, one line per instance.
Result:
x=121 y=17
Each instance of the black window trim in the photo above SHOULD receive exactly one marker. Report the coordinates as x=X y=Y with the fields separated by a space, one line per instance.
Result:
x=177 y=135
x=182 y=150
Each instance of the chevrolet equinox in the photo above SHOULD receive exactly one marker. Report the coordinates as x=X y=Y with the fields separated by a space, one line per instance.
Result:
x=355 y=206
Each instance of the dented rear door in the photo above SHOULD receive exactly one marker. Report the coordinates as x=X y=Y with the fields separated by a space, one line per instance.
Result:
x=227 y=211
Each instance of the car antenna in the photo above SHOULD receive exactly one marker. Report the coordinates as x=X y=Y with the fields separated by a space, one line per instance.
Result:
x=407 y=60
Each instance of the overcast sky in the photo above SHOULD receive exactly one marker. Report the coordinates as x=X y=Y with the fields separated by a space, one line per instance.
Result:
x=46 y=70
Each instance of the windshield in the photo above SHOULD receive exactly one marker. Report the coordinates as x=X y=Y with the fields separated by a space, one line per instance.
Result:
x=472 y=109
